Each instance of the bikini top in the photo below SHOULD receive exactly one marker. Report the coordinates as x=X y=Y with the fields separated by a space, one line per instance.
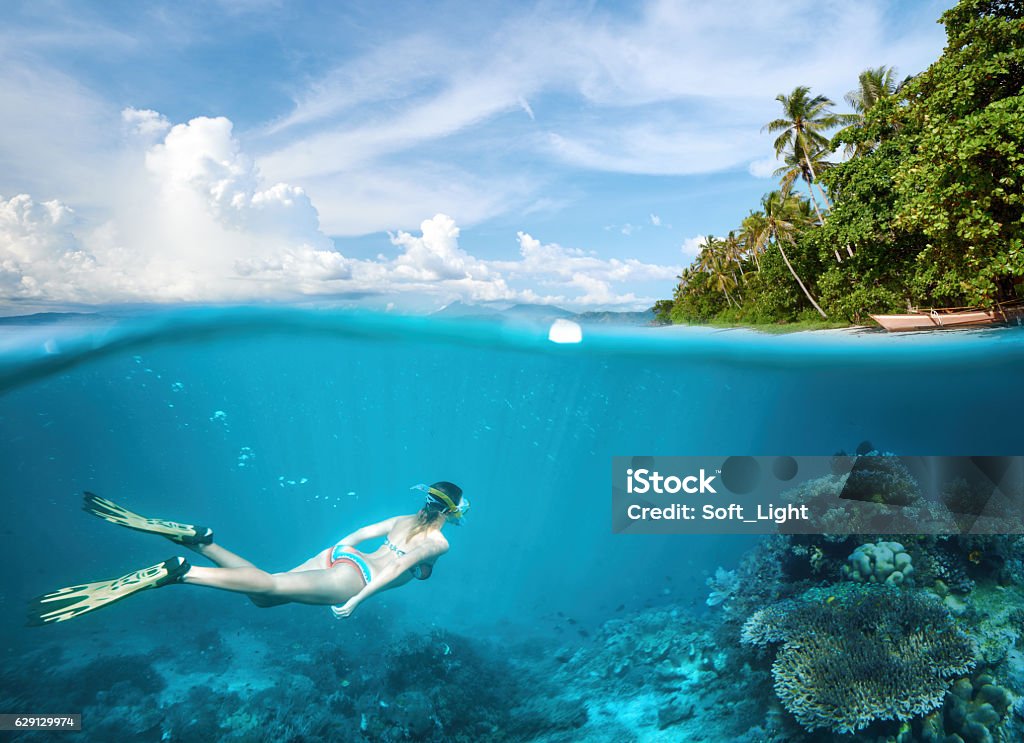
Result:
x=420 y=572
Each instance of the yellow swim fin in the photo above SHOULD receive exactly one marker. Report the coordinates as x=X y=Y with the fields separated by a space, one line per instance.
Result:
x=69 y=602
x=181 y=533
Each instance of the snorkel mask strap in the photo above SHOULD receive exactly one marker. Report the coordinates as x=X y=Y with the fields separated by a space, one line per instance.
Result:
x=437 y=496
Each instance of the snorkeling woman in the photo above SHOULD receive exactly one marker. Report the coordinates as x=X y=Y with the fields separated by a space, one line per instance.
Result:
x=340 y=576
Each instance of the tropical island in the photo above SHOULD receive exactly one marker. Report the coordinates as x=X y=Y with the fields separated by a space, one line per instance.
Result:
x=913 y=200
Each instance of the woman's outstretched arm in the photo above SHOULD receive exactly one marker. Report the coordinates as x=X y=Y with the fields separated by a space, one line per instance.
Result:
x=368 y=532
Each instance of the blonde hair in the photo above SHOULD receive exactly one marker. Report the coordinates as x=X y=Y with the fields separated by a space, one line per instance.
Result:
x=428 y=516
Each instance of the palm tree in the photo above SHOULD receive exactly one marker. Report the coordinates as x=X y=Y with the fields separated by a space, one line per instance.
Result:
x=751 y=230
x=802 y=125
x=783 y=217
x=874 y=84
x=713 y=260
x=800 y=167
x=797 y=167
x=733 y=248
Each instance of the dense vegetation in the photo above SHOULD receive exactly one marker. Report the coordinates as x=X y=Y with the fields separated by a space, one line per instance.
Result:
x=924 y=209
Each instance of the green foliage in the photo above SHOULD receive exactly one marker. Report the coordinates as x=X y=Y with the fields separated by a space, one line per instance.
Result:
x=960 y=182
x=928 y=212
x=696 y=300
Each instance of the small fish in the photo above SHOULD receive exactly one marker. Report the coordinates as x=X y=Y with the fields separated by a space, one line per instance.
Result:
x=572 y=621
x=830 y=599
x=620 y=607
x=583 y=632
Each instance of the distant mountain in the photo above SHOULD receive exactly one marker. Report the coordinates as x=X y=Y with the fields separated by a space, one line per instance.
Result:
x=616 y=318
x=47 y=318
x=544 y=313
x=458 y=309
x=537 y=312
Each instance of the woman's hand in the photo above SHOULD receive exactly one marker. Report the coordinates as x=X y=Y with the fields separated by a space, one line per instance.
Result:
x=345 y=610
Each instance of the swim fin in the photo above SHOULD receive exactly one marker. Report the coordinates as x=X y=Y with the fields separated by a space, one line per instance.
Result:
x=65 y=603
x=186 y=534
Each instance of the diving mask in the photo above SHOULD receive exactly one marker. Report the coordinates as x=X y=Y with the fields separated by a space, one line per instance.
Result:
x=455 y=512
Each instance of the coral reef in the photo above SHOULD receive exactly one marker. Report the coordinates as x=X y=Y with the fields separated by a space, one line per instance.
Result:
x=861 y=654
x=877 y=477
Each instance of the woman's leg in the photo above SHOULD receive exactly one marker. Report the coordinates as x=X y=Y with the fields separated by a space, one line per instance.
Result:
x=227 y=559
x=332 y=586
x=221 y=556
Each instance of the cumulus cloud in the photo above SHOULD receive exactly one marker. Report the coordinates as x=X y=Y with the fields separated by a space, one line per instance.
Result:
x=691 y=247
x=38 y=248
x=144 y=122
x=435 y=255
x=202 y=162
x=196 y=222
x=204 y=225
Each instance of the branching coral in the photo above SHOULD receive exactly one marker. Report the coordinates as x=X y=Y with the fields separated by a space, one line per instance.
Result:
x=862 y=654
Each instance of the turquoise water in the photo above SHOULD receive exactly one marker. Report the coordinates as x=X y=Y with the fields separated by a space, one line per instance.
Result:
x=285 y=429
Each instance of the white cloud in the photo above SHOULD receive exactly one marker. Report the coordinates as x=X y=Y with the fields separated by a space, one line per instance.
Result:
x=764 y=168
x=655 y=220
x=525 y=105
x=38 y=249
x=436 y=255
x=202 y=224
x=691 y=247
x=581 y=278
x=658 y=148
x=193 y=221
x=144 y=122
x=203 y=159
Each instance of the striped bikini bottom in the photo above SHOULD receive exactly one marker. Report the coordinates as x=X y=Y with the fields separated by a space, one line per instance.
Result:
x=345 y=555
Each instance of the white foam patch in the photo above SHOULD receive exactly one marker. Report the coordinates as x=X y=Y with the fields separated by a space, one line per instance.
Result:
x=565 y=331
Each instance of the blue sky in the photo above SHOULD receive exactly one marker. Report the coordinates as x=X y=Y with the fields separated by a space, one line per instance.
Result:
x=401 y=154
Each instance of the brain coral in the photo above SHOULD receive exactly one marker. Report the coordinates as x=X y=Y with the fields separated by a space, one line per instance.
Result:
x=862 y=653
x=884 y=562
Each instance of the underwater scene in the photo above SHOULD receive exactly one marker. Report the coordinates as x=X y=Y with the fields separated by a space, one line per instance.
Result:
x=283 y=430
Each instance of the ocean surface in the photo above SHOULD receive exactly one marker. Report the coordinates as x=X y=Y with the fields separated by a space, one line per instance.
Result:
x=284 y=429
